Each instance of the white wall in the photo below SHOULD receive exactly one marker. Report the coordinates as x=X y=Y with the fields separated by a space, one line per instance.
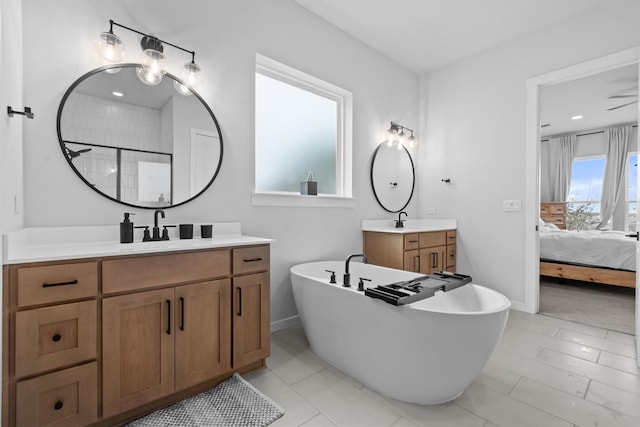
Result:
x=226 y=36
x=472 y=127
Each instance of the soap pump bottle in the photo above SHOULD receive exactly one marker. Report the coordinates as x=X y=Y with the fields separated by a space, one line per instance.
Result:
x=126 y=229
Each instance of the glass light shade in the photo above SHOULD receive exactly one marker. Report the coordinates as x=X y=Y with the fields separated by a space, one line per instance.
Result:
x=155 y=62
x=192 y=74
x=110 y=47
x=147 y=77
x=181 y=89
x=392 y=136
x=402 y=137
x=399 y=145
x=412 y=141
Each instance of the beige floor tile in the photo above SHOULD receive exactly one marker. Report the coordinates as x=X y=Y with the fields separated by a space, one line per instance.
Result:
x=505 y=410
x=540 y=323
x=623 y=363
x=497 y=378
x=490 y=424
x=319 y=421
x=596 y=342
x=516 y=337
x=542 y=373
x=569 y=407
x=620 y=337
x=595 y=371
x=443 y=415
x=343 y=403
x=403 y=422
x=296 y=409
x=292 y=363
x=614 y=398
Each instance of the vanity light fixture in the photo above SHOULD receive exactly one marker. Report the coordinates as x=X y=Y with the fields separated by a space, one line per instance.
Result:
x=154 y=65
x=396 y=136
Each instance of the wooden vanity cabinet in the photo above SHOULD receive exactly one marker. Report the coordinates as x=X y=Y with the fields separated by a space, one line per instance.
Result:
x=424 y=252
x=126 y=335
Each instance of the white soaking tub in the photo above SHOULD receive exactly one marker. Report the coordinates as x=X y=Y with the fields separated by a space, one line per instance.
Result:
x=426 y=352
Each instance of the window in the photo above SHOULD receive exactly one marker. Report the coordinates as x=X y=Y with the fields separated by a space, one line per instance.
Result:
x=302 y=124
x=632 y=195
x=585 y=192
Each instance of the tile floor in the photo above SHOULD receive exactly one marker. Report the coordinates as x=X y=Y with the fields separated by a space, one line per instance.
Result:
x=544 y=372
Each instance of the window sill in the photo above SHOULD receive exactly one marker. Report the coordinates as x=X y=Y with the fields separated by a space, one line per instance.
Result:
x=299 y=200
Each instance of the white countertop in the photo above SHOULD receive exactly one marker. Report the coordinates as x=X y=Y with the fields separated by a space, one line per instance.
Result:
x=58 y=243
x=410 y=225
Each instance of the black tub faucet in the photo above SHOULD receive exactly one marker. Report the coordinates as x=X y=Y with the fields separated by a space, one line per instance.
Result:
x=400 y=221
x=346 y=281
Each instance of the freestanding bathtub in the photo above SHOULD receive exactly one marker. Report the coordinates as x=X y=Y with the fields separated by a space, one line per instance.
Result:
x=425 y=352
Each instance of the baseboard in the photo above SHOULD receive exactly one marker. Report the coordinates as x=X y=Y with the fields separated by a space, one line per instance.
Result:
x=288 y=322
x=519 y=306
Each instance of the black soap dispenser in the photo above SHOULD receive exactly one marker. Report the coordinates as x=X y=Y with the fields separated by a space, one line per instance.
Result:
x=126 y=229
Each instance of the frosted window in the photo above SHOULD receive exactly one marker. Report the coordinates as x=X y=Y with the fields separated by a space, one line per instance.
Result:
x=296 y=131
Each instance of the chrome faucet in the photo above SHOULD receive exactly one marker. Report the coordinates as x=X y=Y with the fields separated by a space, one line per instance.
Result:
x=346 y=281
x=400 y=221
x=156 y=229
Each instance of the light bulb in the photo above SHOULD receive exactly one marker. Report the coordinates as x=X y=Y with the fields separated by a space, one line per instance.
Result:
x=182 y=89
x=392 y=136
x=110 y=47
x=147 y=77
x=192 y=74
x=402 y=137
x=399 y=145
x=153 y=67
x=412 y=141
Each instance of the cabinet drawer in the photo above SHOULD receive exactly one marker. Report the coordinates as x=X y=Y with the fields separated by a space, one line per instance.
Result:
x=436 y=238
x=251 y=259
x=557 y=209
x=451 y=237
x=54 y=337
x=558 y=220
x=411 y=241
x=157 y=270
x=63 y=398
x=544 y=210
x=52 y=283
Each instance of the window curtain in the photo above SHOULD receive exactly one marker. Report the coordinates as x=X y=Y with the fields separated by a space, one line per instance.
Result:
x=613 y=186
x=561 y=158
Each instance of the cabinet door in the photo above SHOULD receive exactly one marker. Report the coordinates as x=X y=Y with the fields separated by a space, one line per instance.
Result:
x=432 y=259
x=203 y=332
x=250 y=319
x=137 y=349
x=412 y=261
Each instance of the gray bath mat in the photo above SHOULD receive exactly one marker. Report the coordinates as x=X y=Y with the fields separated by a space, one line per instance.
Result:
x=233 y=402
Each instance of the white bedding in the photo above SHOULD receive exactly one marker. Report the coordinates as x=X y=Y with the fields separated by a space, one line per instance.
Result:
x=589 y=247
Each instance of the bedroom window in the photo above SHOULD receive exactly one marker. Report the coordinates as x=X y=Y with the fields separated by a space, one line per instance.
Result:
x=585 y=192
x=632 y=195
x=302 y=124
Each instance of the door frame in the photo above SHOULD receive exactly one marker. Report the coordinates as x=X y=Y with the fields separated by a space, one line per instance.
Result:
x=532 y=160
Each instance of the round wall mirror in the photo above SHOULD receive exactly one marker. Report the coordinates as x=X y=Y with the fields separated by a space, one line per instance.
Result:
x=139 y=145
x=392 y=177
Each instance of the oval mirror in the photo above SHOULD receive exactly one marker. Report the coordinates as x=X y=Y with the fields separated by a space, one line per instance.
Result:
x=392 y=177
x=139 y=145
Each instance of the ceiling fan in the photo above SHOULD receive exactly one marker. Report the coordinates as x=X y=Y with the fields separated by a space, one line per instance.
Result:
x=629 y=93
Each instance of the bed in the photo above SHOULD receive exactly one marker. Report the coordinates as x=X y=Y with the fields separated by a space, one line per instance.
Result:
x=607 y=257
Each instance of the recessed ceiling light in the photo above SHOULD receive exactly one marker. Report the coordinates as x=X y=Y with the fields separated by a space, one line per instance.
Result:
x=576 y=117
x=114 y=93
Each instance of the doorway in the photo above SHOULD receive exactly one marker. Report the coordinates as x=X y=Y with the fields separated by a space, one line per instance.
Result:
x=532 y=213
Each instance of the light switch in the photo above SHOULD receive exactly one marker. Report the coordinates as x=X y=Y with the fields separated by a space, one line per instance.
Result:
x=511 y=205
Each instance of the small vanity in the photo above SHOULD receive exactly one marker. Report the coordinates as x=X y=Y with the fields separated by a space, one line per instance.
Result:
x=98 y=332
x=422 y=246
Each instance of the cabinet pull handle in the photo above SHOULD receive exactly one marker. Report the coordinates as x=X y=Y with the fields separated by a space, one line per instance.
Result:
x=168 y=317
x=434 y=260
x=413 y=241
x=48 y=285
x=253 y=259
x=56 y=337
x=417 y=266
x=239 y=302
x=181 y=314
x=58 y=405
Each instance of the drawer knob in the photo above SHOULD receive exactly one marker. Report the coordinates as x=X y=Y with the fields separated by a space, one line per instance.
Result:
x=58 y=405
x=56 y=337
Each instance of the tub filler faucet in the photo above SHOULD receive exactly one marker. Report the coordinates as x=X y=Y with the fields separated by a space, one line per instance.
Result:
x=346 y=281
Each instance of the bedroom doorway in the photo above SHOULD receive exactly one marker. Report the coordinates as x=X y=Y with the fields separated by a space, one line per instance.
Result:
x=533 y=153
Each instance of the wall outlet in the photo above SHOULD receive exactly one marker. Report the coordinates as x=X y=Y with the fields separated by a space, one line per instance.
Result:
x=512 y=205
x=431 y=211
